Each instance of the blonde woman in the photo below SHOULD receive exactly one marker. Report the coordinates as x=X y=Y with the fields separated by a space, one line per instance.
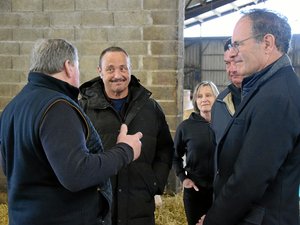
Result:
x=194 y=139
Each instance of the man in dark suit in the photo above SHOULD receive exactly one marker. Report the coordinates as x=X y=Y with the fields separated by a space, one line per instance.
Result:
x=258 y=157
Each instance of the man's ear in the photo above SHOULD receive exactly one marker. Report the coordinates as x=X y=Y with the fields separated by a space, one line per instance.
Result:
x=69 y=67
x=269 y=41
x=100 y=72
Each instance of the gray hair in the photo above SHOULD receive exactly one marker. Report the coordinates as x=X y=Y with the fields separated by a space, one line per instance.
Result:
x=49 y=55
x=195 y=93
x=268 y=22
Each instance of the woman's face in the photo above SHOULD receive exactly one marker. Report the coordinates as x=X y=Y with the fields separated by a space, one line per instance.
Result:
x=205 y=99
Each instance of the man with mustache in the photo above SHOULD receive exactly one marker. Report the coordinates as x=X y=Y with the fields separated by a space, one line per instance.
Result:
x=117 y=97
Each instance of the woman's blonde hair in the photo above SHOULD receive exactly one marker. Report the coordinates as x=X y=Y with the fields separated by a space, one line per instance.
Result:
x=195 y=93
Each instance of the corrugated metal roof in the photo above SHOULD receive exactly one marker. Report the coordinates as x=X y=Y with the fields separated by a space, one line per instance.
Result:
x=199 y=11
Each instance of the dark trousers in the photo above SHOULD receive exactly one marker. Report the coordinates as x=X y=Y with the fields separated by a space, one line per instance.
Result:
x=196 y=203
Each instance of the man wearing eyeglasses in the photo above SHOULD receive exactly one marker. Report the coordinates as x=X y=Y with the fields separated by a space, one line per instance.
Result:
x=117 y=97
x=258 y=158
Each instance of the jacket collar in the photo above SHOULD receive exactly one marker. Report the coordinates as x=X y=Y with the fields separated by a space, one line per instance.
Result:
x=270 y=72
x=197 y=116
x=93 y=91
x=250 y=83
x=47 y=81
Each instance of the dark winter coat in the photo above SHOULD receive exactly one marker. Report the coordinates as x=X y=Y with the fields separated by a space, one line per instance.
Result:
x=135 y=185
x=194 y=139
x=258 y=163
x=223 y=109
x=46 y=145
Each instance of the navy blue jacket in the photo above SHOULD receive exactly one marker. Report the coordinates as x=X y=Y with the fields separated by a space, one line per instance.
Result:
x=49 y=152
x=258 y=157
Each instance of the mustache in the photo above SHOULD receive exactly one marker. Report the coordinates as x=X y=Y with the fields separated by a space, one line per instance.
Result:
x=118 y=80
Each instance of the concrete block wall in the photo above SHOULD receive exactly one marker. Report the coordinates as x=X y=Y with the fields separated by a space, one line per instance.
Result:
x=150 y=30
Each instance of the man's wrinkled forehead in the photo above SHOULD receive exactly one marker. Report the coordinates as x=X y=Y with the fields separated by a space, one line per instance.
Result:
x=110 y=58
x=242 y=29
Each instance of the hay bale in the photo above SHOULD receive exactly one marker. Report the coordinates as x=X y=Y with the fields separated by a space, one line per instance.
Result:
x=3 y=214
x=171 y=212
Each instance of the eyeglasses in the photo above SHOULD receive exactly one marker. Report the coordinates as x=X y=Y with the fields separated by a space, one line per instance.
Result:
x=235 y=45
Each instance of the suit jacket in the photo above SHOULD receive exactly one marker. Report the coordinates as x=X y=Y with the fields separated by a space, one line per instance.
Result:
x=258 y=158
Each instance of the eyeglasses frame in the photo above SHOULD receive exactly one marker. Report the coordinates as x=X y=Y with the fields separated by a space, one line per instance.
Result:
x=235 y=45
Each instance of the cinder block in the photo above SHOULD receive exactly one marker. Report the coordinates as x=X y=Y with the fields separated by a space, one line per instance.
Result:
x=159 y=4
x=164 y=78
x=172 y=121
x=124 y=33
x=160 y=63
x=27 y=34
x=91 y=48
x=9 y=48
x=136 y=62
x=4 y=101
x=125 y=5
x=59 y=5
x=89 y=62
x=168 y=106
x=164 y=17
x=9 y=19
x=87 y=75
x=5 y=6
x=92 y=34
x=8 y=90
x=27 y=6
x=10 y=76
x=163 y=92
x=81 y=5
x=141 y=75
x=34 y=20
x=132 y=18
x=26 y=48
x=5 y=62
x=164 y=47
x=65 y=33
x=160 y=33
x=65 y=19
x=20 y=62
x=96 y=19
x=135 y=48
x=6 y=34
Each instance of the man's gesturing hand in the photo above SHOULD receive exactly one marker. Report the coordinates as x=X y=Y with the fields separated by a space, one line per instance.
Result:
x=132 y=140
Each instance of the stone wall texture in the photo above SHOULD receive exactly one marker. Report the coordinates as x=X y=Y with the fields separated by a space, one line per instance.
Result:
x=150 y=30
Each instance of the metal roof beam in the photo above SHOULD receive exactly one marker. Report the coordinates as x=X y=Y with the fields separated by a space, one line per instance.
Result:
x=200 y=9
x=193 y=13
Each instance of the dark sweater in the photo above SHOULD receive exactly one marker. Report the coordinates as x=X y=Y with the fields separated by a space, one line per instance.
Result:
x=194 y=138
